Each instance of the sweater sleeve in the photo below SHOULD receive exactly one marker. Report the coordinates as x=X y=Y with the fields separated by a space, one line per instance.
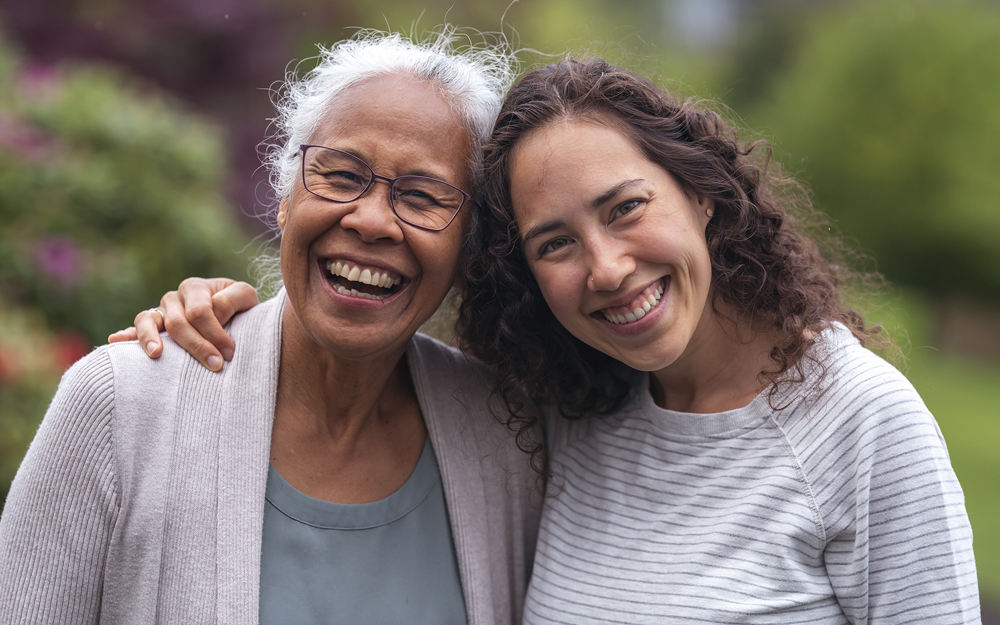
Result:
x=62 y=506
x=899 y=544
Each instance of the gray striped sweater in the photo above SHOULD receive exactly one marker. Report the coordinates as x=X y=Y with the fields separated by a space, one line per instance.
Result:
x=840 y=508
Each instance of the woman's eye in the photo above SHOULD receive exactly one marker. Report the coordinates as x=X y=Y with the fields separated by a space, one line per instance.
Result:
x=552 y=246
x=625 y=208
x=345 y=175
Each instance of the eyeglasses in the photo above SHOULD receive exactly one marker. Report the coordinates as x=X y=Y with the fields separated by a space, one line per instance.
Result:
x=337 y=176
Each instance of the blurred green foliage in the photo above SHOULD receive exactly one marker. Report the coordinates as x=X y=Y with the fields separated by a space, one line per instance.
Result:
x=890 y=111
x=109 y=196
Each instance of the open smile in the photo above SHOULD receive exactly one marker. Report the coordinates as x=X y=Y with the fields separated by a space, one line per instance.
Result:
x=353 y=280
x=637 y=308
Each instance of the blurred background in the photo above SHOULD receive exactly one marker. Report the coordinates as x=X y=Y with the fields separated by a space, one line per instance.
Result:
x=129 y=159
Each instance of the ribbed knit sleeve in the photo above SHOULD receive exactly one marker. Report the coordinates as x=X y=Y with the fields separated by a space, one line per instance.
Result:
x=63 y=505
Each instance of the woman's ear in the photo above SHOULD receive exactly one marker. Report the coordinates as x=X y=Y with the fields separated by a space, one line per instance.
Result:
x=706 y=206
x=282 y=215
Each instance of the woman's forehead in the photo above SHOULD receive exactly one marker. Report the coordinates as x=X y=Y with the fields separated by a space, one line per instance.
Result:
x=570 y=158
x=400 y=123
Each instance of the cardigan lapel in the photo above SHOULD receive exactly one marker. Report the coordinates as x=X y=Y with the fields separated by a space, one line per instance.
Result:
x=459 y=457
x=244 y=450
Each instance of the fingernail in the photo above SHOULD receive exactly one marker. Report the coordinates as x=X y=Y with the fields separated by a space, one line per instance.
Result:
x=227 y=353
x=150 y=346
x=214 y=363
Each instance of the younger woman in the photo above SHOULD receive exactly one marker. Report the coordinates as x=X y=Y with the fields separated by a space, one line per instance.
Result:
x=768 y=468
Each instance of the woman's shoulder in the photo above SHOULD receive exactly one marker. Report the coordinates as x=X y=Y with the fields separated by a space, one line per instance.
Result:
x=846 y=369
x=856 y=401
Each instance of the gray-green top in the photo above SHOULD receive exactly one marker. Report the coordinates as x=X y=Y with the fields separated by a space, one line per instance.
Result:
x=389 y=561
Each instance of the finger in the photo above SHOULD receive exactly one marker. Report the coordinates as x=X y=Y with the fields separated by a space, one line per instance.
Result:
x=128 y=334
x=187 y=336
x=198 y=318
x=178 y=326
x=237 y=297
x=148 y=325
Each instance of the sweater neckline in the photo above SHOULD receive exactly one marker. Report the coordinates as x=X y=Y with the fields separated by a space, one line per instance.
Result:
x=726 y=424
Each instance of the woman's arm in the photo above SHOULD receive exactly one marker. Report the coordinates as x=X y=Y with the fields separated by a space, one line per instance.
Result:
x=193 y=316
x=63 y=505
x=906 y=556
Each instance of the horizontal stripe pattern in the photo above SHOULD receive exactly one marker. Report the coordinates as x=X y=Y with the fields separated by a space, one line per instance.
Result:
x=840 y=508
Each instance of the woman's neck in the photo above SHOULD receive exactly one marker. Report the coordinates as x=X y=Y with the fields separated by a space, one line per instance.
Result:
x=345 y=430
x=718 y=371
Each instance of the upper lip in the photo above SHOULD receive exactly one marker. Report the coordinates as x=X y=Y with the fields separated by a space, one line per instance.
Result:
x=365 y=262
x=627 y=299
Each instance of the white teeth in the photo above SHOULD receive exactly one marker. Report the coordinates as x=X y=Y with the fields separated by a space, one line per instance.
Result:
x=364 y=276
x=640 y=311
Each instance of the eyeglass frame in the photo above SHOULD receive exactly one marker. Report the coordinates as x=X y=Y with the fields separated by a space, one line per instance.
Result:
x=392 y=181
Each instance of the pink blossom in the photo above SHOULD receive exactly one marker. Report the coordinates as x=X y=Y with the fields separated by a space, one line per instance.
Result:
x=59 y=258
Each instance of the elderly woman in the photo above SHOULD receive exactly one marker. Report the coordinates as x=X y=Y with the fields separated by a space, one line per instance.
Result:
x=723 y=447
x=342 y=468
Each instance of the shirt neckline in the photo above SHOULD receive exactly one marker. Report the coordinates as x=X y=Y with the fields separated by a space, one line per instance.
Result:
x=300 y=507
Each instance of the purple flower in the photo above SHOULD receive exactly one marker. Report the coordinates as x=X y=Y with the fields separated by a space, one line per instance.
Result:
x=38 y=81
x=60 y=259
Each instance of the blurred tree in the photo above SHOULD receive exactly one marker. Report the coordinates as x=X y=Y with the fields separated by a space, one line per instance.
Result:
x=110 y=194
x=890 y=111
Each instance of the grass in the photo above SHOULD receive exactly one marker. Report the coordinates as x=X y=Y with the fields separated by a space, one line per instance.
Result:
x=963 y=394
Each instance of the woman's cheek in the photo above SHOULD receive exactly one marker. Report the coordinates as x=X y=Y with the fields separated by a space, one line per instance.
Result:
x=557 y=289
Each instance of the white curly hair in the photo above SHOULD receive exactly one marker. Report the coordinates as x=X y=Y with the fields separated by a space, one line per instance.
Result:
x=473 y=77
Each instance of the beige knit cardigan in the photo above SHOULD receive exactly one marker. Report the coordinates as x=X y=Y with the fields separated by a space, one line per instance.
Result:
x=141 y=498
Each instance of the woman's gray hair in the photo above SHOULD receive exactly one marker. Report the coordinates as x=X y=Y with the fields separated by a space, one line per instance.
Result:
x=473 y=78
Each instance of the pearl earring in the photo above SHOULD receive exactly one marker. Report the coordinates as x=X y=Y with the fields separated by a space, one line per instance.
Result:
x=709 y=211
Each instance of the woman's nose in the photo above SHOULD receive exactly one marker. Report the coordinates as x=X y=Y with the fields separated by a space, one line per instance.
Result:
x=609 y=266
x=372 y=217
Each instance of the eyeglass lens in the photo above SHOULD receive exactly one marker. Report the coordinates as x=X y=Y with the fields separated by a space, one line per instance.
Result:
x=342 y=177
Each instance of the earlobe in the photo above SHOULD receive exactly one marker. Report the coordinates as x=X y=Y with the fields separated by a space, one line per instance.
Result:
x=281 y=212
x=707 y=205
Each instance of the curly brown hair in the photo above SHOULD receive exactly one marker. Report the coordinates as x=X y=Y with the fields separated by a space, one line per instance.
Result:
x=764 y=266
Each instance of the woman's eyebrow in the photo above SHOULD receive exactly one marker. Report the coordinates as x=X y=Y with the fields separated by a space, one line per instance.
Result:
x=612 y=192
x=541 y=229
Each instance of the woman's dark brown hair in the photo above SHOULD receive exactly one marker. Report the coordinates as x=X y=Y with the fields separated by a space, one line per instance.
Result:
x=763 y=267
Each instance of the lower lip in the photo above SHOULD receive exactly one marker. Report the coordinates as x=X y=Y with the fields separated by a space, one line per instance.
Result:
x=636 y=328
x=357 y=303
